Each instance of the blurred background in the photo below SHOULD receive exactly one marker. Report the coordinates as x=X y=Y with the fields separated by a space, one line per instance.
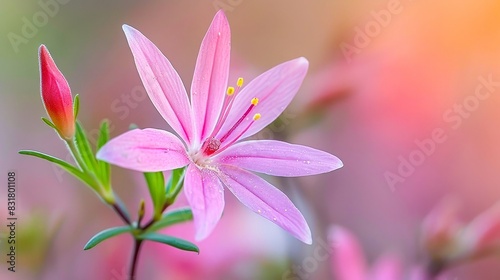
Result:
x=384 y=77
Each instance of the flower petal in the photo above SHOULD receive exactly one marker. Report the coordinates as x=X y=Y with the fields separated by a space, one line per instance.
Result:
x=210 y=75
x=205 y=195
x=279 y=158
x=145 y=150
x=348 y=261
x=265 y=200
x=275 y=89
x=56 y=94
x=386 y=268
x=163 y=84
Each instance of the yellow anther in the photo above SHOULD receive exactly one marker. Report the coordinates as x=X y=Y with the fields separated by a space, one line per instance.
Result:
x=239 y=83
x=256 y=117
x=255 y=101
x=230 y=91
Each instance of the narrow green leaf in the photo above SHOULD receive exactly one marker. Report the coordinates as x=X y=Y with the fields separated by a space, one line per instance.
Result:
x=64 y=165
x=49 y=123
x=174 y=184
x=84 y=148
x=170 y=240
x=106 y=234
x=171 y=218
x=156 y=183
x=76 y=106
x=104 y=167
x=103 y=134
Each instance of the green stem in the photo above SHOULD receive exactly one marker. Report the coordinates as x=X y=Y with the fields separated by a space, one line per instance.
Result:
x=76 y=155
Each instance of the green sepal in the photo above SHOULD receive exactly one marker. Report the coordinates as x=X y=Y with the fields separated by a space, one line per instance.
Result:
x=76 y=106
x=156 y=186
x=104 y=167
x=174 y=185
x=64 y=165
x=85 y=150
x=49 y=123
x=106 y=234
x=170 y=218
x=170 y=240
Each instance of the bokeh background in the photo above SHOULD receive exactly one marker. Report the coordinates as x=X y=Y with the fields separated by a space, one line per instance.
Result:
x=383 y=76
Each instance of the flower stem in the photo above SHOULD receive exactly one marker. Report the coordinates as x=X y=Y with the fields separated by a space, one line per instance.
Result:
x=121 y=213
x=135 y=258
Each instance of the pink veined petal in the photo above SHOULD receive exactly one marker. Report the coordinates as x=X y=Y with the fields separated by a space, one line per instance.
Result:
x=348 y=262
x=265 y=200
x=279 y=158
x=210 y=76
x=274 y=88
x=146 y=150
x=162 y=83
x=205 y=195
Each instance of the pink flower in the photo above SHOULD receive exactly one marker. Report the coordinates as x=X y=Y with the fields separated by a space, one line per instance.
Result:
x=446 y=240
x=348 y=261
x=210 y=127
x=56 y=95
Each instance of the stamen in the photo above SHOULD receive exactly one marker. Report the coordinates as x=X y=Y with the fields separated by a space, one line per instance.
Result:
x=230 y=91
x=253 y=103
x=256 y=117
x=239 y=83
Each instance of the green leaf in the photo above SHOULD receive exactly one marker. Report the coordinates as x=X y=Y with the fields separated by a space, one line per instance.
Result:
x=85 y=150
x=106 y=234
x=132 y=126
x=64 y=165
x=174 y=185
x=76 y=106
x=103 y=134
x=49 y=123
x=156 y=186
x=171 y=218
x=104 y=167
x=170 y=240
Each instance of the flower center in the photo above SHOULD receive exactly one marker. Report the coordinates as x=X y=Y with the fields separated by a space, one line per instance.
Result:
x=212 y=145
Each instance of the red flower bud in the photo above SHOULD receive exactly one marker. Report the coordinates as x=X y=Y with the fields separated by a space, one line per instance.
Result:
x=56 y=95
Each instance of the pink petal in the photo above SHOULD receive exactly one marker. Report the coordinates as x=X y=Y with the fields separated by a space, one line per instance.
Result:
x=279 y=158
x=146 y=150
x=205 y=195
x=210 y=76
x=348 y=262
x=265 y=200
x=275 y=89
x=386 y=268
x=163 y=84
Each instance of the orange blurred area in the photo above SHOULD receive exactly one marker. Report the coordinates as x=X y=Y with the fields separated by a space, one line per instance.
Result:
x=406 y=93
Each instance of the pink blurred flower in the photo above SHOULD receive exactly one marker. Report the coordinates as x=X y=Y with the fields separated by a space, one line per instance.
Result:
x=348 y=262
x=56 y=95
x=211 y=124
x=446 y=241
x=439 y=231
